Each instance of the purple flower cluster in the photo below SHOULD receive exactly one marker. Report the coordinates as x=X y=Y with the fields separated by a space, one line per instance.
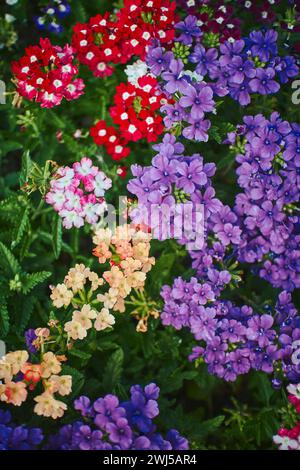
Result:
x=234 y=339
x=51 y=15
x=195 y=77
x=14 y=437
x=268 y=207
x=109 y=424
x=176 y=199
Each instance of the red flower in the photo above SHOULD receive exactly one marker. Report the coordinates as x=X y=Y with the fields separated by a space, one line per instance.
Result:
x=103 y=42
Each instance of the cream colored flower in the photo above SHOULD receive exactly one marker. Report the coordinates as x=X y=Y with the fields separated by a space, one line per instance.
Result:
x=104 y=320
x=75 y=330
x=122 y=233
x=48 y=406
x=15 y=393
x=130 y=265
x=147 y=266
x=61 y=296
x=114 y=277
x=61 y=384
x=141 y=251
x=50 y=365
x=84 y=316
x=5 y=370
x=136 y=279
x=16 y=359
x=76 y=277
x=109 y=298
x=119 y=305
x=102 y=235
x=95 y=280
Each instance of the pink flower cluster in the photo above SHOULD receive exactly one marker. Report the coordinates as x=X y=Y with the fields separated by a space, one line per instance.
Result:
x=46 y=74
x=77 y=193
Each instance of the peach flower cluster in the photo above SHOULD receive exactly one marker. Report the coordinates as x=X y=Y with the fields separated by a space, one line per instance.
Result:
x=128 y=250
x=47 y=372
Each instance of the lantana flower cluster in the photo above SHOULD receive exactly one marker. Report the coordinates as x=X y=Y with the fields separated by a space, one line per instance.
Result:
x=135 y=116
x=289 y=439
x=19 y=376
x=268 y=208
x=51 y=16
x=107 y=40
x=196 y=77
x=127 y=250
x=234 y=339
x=77 y=193
x=47 y=74
x=109 y=424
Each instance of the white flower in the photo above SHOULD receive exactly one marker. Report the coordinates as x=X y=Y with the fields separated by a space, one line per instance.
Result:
x=135 y=71
x=104 y=320
x=294 y=390
x=9 y=18
x=11 y=2
x=285 y=443
x=101 y=184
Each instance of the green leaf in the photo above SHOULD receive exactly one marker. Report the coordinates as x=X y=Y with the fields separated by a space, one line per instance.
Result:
x=26 y=168
x=113 y=370
x=57 y=236
x=27 y=309
x=209 y=427
x=214 y=133
x=8 y=261
x=9 y=146
x=4 y=318
x=21 y=227
x=175 y=380
x=30 y=281
x=79 y=353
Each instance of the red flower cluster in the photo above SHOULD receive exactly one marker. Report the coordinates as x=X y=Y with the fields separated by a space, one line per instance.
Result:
x=46 y=74
x=107 y=40
x=135 y=114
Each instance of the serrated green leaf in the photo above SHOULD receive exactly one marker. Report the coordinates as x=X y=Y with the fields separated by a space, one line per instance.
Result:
x=79 y=353
x=30 y=281
x=8 y=261
x=27 y=309
x=4 y=318
x=21 y=227
x=209 y=427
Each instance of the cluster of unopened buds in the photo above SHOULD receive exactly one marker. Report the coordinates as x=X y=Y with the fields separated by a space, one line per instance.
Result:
x=19 y=376
x=289 y=439
x=135 y=116
x=107 y=40
x=47 y=74
x=77 y=193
